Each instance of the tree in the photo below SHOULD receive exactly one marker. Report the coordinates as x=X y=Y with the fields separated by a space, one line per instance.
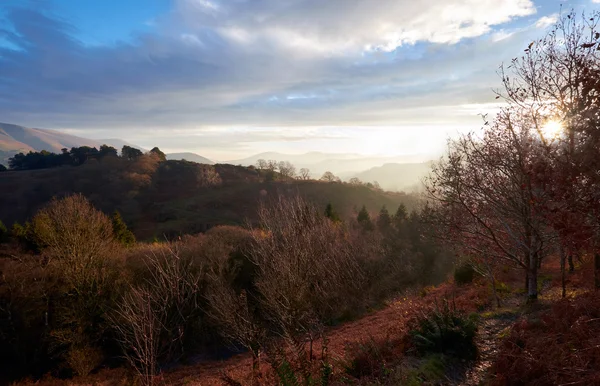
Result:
x=78 y=242
x=364 y=219
x=487 y=203
x=81 y=154
x=331 y=214
x=161 y=156
x=304 y=174
x=3 y=168
x=107 y=151
x=272 y=165
x=261 y=164
x=384 y=220
x=121 y=233
x=329 y=177
x=130 y=153
x=286 y=169
x=355 y=181
x=558 y=81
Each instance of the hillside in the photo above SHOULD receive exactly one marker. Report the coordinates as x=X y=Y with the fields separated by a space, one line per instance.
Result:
x=397 y=176
x=16 y=139
x=193 y=157
x=175 y=197
x=342 y=164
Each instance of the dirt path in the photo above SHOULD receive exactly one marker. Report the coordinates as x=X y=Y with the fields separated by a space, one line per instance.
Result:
x=494 y=324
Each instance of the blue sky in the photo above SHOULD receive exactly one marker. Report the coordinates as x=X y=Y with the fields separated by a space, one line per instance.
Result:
x=228 y=78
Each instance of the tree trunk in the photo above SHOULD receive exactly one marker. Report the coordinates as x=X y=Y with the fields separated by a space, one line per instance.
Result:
x=562 y=271
x=527 y=274
x=532 y=290
x=597 y=270
x=571 y=264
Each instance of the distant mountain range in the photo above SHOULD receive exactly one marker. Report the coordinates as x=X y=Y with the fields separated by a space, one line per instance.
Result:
x=392 y=173
x=16 y=139
x=189 y=157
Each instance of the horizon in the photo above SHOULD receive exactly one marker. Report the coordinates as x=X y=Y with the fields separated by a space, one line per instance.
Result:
x=230 y=80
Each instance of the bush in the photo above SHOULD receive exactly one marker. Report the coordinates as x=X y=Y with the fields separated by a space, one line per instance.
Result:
x=446 y=330
x=370 y=358
x=464 y=274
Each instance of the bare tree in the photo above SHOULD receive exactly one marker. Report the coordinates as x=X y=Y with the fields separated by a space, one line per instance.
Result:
x=355 y=181
x=272 y=165
x=286 y=169
x=153 y=316
x=487 y=201
x=307 y=272
x=261 y=164
x=304 y=174
x=329 y=177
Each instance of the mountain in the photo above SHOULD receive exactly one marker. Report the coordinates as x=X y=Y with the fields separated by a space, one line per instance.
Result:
x=397 y=176
x=189 y=157
x=345 y=165
x=119 y=143
x=15 y=139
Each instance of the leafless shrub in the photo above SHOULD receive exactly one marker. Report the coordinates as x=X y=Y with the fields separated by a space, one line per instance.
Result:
x=307 y=272
x=153 y=316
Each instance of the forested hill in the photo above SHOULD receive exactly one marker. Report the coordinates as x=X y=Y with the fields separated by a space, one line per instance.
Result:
x=158 y=198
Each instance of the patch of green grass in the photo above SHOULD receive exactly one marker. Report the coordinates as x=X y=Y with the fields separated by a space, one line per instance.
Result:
x=500 y=313
x=431 y=370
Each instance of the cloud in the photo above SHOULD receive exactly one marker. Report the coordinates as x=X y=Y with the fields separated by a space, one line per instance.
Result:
x=263 y=63
x=547 y=21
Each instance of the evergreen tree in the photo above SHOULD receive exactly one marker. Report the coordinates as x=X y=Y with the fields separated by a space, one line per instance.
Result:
x=122 y=234
x=364 y=219
x=331 y=214
x=384 y=220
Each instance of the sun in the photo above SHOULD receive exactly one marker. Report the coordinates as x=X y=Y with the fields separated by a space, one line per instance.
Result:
x=552 y=129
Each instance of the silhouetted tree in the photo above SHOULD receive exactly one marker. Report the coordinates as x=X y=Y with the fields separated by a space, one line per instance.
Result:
x=106 y=150
x=261 y=164
x=161 y=156
x=130 y=153
x=329 y=177
x=3 y=168
x=304 y=174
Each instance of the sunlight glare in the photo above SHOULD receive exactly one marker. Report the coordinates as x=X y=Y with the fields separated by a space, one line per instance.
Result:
x=552 y=129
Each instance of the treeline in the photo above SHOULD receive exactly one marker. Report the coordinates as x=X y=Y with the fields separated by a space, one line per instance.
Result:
x=286 y=170
x=78 y=293
x=74 y=157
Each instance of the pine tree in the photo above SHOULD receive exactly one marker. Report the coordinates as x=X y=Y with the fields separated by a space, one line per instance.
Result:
x=122 y=234
x=364 y=219
x=384 y=220
x=331 y=214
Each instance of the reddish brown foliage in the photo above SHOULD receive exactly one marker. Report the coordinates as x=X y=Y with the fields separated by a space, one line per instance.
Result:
x=561 y=347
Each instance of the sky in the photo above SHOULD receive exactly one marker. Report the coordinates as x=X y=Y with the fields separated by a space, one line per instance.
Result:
x=231 y=78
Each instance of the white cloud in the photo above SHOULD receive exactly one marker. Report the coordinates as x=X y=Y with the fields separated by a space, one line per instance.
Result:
x=346 y=26
x=547 y=21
